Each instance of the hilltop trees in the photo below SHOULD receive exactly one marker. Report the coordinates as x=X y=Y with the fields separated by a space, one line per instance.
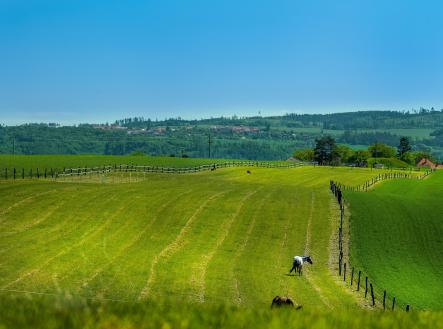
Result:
x=380 y=150
x=404 y=148
x=325 y=150
x=360 y=157
x=344 y=153
x=304 y=155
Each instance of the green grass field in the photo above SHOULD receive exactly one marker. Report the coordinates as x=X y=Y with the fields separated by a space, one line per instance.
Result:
x=218 y=244
x=222 y=236
x=397 y=238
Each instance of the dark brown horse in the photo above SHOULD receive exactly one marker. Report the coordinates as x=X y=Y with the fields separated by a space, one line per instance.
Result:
x=283 y=301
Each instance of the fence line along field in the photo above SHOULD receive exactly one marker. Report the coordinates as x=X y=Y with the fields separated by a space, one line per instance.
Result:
x=396 y=238
x=224 y=236
x=60 y=162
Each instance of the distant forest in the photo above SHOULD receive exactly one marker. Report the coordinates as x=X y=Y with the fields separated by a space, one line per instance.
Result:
x=255 y=138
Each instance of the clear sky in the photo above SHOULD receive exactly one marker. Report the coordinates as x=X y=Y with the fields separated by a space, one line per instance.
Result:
x=101 y=60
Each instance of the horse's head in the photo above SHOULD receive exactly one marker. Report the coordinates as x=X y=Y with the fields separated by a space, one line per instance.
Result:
x=309 y=260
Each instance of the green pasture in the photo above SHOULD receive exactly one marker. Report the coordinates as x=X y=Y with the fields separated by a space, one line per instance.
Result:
x=397 y=238
x=212 y=237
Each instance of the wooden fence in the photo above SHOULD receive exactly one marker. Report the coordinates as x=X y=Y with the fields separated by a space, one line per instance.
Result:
x=344 y=269
x=15 y=173
x=382 y=177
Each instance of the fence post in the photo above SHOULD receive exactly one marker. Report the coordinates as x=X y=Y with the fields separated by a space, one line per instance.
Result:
x=393 y=303
x=23 y=173
x=384 y=300
x=358 y=282
x=339 y=264
x=372 y=295
x=407 y=308
x=46 y=171
x=14 y=173
x=352 y=276
x=366 y=287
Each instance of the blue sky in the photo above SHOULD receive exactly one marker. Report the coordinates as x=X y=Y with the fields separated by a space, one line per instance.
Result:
x=91 y=61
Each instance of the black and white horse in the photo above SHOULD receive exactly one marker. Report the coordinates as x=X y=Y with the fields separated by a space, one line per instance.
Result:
x=298 y=262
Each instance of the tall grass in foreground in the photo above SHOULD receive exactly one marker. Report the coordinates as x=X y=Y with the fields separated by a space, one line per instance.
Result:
x=18 y=311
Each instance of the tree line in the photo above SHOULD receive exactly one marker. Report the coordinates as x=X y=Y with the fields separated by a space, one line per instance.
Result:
x=327 y=152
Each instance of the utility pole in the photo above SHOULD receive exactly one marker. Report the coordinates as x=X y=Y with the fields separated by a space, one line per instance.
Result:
x=209 y=145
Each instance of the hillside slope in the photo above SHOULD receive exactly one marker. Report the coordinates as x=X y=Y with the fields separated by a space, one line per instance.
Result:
x=397 y=238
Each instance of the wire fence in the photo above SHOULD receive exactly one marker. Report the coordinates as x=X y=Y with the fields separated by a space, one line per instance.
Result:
x=344 y=268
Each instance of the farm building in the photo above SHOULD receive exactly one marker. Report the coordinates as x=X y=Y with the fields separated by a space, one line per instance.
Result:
x=428 y=163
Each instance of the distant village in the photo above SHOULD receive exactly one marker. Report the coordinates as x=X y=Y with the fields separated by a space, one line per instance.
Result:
x=158 y=131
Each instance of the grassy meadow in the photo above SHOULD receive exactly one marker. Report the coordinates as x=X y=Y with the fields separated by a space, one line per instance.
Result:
x=195 y=250
x=223 y=236
x=397 y=238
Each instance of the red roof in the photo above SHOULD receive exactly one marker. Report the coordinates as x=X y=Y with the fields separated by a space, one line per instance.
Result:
x=428 y=163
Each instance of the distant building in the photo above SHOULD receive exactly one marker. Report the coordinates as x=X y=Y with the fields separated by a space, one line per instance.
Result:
x=429 y=164
x=109 y=127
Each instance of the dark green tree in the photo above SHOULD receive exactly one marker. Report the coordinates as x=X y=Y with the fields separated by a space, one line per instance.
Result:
x=304 y=155
x=324 y=151
x=380 y=150
x=404 y=147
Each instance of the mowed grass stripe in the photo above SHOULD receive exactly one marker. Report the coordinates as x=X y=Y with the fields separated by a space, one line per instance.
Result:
x=184 y=274
x=172 y=248
x=227 y=286
x=42 y=243
x=86 y=258
x=132 y=246
x=100 y=224
x=225 y=227
x=140 y=260
x=130 y=238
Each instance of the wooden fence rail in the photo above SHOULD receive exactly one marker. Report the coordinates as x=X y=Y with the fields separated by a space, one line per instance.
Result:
x=83 y=171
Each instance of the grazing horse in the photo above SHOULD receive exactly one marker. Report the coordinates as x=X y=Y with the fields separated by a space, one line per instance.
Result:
x=284 y=301
x=281 y=301
x=297 y=264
